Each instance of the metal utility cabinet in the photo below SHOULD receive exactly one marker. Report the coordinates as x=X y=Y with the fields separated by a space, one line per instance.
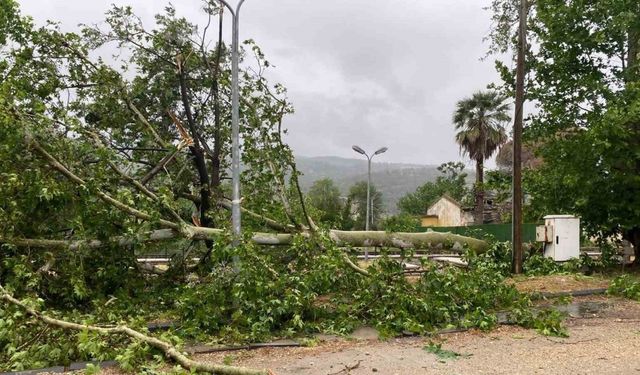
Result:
x=561 y=237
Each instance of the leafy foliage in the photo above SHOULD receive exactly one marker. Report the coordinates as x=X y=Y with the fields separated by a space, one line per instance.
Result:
x=625 y=286
x=499 y=257
x=277 y=293
x=325 y=196
x=452 y=182
x=584 y=76
x=92 y=152
x=442 y=354
x=355 y=211
x=478 y=120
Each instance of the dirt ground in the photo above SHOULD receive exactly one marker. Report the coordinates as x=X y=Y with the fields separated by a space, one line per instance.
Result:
x=607 y=342
x=558 y=283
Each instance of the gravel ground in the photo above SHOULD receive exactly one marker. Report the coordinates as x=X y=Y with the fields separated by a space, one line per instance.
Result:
x=604 y=343
x=558 y=283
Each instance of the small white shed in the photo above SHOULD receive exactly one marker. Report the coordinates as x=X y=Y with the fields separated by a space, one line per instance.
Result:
x=561 y=237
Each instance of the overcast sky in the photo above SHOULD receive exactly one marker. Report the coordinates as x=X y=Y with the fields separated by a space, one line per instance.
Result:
x=368 y=72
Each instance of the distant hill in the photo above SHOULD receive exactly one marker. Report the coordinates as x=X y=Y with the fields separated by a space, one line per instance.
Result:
x=394 y=180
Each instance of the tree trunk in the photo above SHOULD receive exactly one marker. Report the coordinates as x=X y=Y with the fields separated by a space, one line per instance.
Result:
x=633 y=73
x=633 y=236
x=633 y=49
x=432 y=241
x=198 y=158
x=479 y=192
x=217 y=132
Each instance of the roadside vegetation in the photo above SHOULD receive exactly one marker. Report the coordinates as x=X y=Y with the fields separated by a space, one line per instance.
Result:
x=102 y=164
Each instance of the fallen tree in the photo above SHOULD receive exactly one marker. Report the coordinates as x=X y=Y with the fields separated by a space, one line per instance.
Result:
x=434 y=241
x=426 y=240
x=123 y=166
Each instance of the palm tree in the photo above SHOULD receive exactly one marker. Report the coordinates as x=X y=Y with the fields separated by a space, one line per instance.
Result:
x=479 y=120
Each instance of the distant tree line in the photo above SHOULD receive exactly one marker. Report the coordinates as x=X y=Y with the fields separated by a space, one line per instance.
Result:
x=348 y=213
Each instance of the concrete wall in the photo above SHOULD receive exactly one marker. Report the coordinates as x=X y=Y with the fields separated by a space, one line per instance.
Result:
x=429 y=221
x=449 y=214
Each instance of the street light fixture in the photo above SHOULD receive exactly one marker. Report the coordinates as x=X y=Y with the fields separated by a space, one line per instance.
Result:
x=380 y=151
x=359 y=150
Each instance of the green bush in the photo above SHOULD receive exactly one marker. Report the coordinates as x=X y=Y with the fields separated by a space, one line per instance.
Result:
x=625 y=286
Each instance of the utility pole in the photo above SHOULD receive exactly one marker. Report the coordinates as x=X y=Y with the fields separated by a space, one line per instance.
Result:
x=517 y=143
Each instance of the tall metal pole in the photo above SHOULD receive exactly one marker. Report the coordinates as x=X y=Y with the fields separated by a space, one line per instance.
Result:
x=517 y=143
x=369 y=202
x=368 y=191
x=235 y=125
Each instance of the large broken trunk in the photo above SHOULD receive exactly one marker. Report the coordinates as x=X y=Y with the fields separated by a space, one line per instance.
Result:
x=429 y=241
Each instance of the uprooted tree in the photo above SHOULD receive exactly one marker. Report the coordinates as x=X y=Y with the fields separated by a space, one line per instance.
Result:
x=99 y=165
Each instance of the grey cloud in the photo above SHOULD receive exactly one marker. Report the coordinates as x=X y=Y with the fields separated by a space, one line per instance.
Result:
x=370 y=72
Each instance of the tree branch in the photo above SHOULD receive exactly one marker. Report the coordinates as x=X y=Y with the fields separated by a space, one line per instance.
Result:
x=144 y=190
x=128 y=101
x=143 y=119
x=283 y=195
x=226 y=204
x=167 y=349
x=55 y=164
x=160 y=166
x=294 y=176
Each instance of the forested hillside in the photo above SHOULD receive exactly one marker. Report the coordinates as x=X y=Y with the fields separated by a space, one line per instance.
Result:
x=394 y=180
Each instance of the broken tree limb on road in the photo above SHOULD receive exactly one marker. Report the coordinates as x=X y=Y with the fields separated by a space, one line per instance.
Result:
x=167 y=349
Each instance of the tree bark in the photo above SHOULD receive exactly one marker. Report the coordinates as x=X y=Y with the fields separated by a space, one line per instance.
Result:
x=479 y=192
x=426 y=240
x=435 y=241
x=198 y=156
x=160 y=166
x=633 y=72
x=633 y=49
x=516 y=196
x=633 y=236
x=217 y=131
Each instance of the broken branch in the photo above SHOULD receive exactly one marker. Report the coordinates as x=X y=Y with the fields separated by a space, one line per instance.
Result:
x=167 y=349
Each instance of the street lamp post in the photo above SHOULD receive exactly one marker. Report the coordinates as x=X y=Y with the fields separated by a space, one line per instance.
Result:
x=235 y=127
x=359 y=150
